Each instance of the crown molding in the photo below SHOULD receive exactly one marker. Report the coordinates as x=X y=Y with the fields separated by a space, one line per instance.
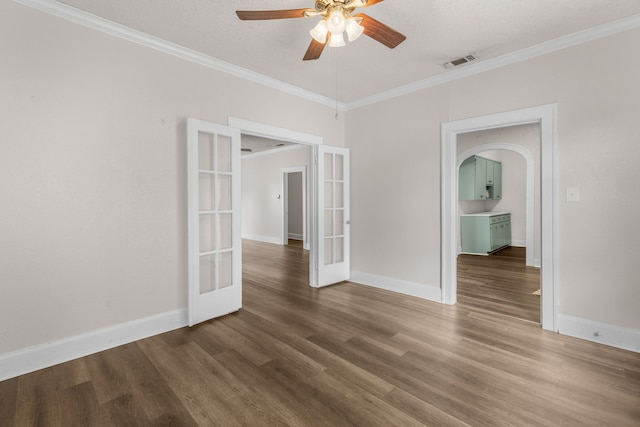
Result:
x=615 y=27
x=95 y=22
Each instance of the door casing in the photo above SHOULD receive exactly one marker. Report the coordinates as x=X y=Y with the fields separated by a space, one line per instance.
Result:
x=312 y=141
x=546 y=117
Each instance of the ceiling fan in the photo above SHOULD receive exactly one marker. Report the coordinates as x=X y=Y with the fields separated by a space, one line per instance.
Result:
x=337 y=18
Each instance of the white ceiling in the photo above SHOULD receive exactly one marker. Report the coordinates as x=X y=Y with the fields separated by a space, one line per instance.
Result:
x=437 y=31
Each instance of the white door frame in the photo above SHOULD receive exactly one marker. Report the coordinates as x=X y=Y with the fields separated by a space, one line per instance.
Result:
x=546 y=116
x=312 y=141
x=284 y=190
x=530 y=192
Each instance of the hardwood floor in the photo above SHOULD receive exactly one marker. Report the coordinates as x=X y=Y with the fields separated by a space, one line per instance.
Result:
x=338 y=356
x=500 y=283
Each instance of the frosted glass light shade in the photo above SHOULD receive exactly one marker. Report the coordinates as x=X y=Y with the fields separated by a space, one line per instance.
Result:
x=337 y=40
x=319 y=32
x=337 y=22
x=354 y=30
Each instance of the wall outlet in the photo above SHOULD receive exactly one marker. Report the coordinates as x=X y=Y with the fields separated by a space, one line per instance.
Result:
x=572 y=194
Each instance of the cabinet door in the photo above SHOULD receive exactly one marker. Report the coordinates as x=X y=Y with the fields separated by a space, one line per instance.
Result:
x=495 y=237
x=490 y=172
x=481 y=178
x=497 y=180
x=467 y=180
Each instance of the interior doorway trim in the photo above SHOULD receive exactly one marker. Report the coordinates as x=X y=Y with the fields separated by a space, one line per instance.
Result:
x=546 y=116
x=284 y=190
x=312 y=141
x=530 y=189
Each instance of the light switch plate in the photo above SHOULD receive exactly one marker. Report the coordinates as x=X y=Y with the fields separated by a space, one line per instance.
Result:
x=572 y=194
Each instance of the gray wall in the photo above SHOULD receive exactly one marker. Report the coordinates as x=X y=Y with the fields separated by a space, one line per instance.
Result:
x=396 y=166
x=261 y=186
x=92 y=158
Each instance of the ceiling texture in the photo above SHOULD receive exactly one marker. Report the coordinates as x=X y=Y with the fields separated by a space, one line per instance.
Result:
x=437 y=31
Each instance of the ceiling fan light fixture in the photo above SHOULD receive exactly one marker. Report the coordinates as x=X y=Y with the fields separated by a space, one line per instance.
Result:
x=319 y=32
x=336 y=18
x=353 y=29
x=337 y=40
x=337 y=21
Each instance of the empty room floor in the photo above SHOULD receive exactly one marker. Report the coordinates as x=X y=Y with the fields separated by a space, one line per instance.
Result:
x=500 y=283
x=339 y=356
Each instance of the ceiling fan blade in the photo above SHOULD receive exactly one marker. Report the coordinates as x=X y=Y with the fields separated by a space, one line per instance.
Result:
x=315 y=50
x=380 y=32
x=251 y=15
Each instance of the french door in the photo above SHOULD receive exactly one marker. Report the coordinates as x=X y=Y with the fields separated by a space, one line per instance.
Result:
x=214 y=227
x=333 y=257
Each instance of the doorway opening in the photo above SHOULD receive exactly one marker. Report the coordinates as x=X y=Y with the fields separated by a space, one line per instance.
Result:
x=545 y=116
x=328 y=196
x=274 y=202
x=298 y=139
x=507 y=280
x=294 y=204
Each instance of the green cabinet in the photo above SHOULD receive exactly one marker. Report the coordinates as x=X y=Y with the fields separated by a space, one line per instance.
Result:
x=486 y=232
x=480 y=179
x=497 y=180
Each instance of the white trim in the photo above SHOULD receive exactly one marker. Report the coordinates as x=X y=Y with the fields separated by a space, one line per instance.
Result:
x=97 y=23
x=584 y=36
x=104 y=25
x=313 y=142
x=530 y=191
x=544 y=115
x=519 y=243
x=264 y=130
x=264 y=239
x=37 y=357
x=295 y=236
x=419 y=290
x=602 y=333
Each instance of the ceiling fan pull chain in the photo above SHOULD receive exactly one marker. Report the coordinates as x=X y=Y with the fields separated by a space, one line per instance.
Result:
x=336 y=95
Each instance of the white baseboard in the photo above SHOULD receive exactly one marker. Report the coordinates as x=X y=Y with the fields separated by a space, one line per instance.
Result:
x=603 y=333
x=265 y=239
x=294 y=236
x=41 y=356
x=420 y=290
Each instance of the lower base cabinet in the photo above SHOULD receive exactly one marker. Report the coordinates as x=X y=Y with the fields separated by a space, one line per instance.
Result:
x=486 y=232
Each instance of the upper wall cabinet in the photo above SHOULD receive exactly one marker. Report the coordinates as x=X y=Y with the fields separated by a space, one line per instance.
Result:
x=480 y=179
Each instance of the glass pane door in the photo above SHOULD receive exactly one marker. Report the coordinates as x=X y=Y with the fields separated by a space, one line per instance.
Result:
x=215 y=266
x=333 y=177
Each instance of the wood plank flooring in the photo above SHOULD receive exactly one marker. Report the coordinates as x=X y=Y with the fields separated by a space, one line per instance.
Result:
x=347 y=355
x=500 y=283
